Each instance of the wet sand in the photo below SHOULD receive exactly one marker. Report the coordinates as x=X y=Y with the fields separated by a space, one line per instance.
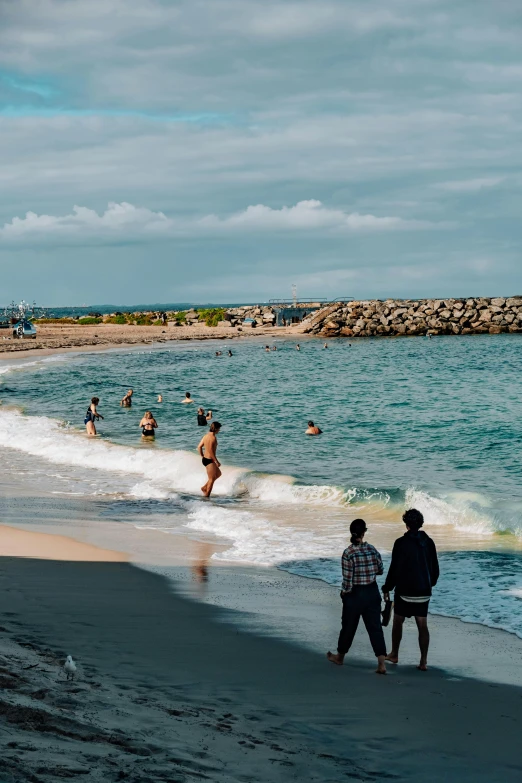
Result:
x=173 y=689
x=57 y=337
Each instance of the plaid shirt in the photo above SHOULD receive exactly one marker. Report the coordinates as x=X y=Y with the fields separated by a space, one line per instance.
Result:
x=360 y=564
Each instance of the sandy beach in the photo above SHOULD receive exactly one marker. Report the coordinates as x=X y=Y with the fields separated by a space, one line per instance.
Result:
x=58 y=337
x=169 y=688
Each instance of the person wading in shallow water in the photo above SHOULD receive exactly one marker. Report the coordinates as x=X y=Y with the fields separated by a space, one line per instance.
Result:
x=207 y=451
x=414 y=570
x=91 y=415
x=361 y=564
x=126 y=402
x=148 y=425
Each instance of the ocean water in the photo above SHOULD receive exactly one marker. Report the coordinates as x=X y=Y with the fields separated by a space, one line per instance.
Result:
x=435 y=424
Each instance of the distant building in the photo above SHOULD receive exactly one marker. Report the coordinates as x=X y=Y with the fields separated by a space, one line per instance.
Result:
x=290 y=312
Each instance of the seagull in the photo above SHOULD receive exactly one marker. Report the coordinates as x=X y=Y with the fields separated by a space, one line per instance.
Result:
x=70 y=667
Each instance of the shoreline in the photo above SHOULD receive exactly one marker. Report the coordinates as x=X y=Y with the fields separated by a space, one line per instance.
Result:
x=66 y=339
x=303 y=610
x=168 y=685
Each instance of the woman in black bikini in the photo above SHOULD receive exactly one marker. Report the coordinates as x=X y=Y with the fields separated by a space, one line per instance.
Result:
x=91 y=415
x=148 y=424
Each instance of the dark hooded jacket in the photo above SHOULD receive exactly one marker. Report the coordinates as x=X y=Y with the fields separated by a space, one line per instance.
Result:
x=414 y=568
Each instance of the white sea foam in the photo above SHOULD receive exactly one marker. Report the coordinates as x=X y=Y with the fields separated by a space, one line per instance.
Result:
x=23 y=364
x=465 y=511
x=257 y=540
x=170 y=470
x=161 y=472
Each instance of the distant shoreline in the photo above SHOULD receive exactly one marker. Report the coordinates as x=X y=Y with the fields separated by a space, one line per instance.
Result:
x=56 y=338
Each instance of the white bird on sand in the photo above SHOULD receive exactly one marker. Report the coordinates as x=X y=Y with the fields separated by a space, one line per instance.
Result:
x=70 y=667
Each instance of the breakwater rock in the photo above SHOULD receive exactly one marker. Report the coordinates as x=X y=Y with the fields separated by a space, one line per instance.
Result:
x=394 y=317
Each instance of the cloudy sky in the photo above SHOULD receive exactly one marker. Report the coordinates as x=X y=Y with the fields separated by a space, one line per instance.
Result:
x=221 y=150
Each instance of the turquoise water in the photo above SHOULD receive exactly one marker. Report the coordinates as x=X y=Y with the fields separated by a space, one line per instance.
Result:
x=433 y=423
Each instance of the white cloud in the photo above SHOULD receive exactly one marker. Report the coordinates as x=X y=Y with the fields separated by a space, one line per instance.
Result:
x=126 y=220
x=117 y=219
x=304 y=216
x=470 y=185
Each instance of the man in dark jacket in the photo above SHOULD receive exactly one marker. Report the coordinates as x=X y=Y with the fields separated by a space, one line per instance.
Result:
x=414 y=570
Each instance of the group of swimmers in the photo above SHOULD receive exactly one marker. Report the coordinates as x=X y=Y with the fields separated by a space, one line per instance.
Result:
x=207 y=447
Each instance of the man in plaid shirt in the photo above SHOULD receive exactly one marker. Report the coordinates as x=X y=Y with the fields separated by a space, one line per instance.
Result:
x=361 y=564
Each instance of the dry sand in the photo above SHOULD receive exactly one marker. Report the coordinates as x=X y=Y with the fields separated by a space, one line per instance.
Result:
x=169 y=689
x=57 y=337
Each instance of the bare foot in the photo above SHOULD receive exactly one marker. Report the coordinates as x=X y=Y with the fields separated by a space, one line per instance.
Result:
x=335 y=658
x=423 y=666
x=381 y=667
x=391 y=658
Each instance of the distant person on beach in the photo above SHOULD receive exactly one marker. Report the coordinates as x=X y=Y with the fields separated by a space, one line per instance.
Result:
x=413 y=572
x=91 y=415
x=202 y=419
x=207 y=451
x=160 y=398
x=148 y=424
x=312 y=429
x=126 y=401
x=361 y=564
x=188 y=398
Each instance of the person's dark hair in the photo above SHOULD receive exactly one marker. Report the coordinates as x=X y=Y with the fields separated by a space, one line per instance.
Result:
x=413 y=519
x=311 y=424
x=215 y=426
x=201 y=411
x=95 y=400
x=357 y=529
x=187 y=394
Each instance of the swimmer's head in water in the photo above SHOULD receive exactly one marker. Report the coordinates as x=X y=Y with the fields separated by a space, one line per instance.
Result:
x=187 y=395
x=311 y=424
x=215 y=426
x=95 y=400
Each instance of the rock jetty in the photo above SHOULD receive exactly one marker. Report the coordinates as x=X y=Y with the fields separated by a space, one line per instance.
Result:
x=394 y=317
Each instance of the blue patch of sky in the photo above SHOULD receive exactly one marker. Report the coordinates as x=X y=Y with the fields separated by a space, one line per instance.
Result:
x=28 y=110
x=40 y=88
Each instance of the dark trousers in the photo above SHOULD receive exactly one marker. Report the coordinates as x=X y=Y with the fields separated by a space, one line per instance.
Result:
x=364 y=601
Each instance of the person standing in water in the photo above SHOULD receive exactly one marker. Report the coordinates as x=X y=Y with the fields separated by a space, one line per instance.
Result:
x=188 y=398
x=413 y=572
x=91 y=415
x=312 y=429
x=230 y=352
x=361 y=564
x=202 y=419
x=126 y=401
x=207 y=451
x=160 y=398
x=297 y=347
x=148 y=424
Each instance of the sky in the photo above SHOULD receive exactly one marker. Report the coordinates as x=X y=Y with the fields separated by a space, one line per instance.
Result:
x=223 y=150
